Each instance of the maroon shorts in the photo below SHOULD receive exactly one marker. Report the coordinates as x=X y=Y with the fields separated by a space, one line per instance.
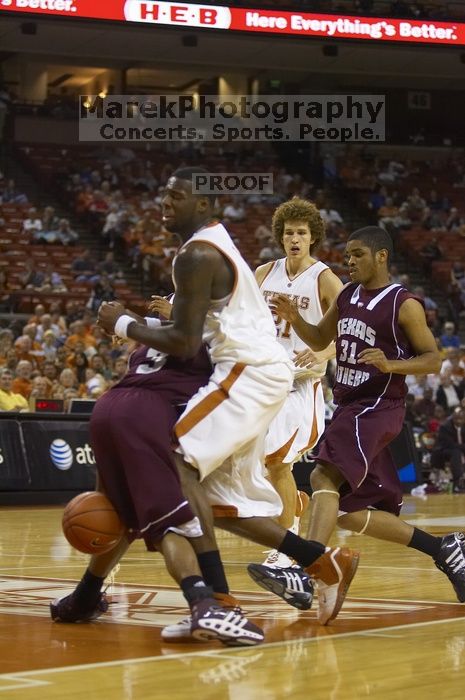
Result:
x=356 y=442
x=131 y=435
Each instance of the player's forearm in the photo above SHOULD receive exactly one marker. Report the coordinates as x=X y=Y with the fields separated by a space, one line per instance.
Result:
x=166 y=339
x=427 y=363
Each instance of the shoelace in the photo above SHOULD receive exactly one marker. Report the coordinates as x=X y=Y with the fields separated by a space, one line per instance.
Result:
x=273 y=555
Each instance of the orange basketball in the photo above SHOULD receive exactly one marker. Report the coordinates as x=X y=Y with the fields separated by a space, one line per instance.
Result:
x=91 y=524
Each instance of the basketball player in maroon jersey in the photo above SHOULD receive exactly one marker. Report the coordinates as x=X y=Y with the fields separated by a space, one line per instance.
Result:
x=131 y=428
x=381 y=336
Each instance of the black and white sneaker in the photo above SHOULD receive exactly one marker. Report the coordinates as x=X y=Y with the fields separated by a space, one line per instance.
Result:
x=210 y=621
x=291 y=584
x=451 y=561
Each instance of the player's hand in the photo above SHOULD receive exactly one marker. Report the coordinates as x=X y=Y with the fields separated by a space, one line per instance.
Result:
x=284 y=307
x=375 y=357
x=161 y=306
x=108 y=314
x=306 y=358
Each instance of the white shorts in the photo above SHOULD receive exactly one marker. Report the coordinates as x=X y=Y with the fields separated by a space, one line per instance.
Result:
x=222 y=433
x=299 y=424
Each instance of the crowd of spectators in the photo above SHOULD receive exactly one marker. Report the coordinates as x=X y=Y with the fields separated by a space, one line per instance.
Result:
x=59 y=353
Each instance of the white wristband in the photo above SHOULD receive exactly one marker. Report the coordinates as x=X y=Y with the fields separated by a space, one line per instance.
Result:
x=152 y=322
x=122 y=324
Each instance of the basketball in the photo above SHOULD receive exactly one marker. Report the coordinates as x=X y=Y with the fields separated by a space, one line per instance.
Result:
x=91 y=524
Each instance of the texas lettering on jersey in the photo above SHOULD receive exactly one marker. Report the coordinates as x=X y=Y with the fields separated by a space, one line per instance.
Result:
x=357 y=328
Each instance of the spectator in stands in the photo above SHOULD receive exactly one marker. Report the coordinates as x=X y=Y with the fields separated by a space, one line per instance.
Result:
x=9 y=400
x=454 y=221
x=95 y=385
x=262 y=233
x=454 y=364
x=67 y=380
x=30 y=329
x=377 y=198
x=440 y=416
x=22 y=383
x=448 y=395
x=388 y=214
x=64 y=234
x=41 y=388
x=50 y=371
x=120 y=367
x=31 y=278
x=49 y=345
x=80 y=364
x=331 y=217
x=68 y=396
x=435 y=202
x=424 y=408
x=9 y=194
x=84 y=267
x=103 y=290
x=58 y=319
x=53 y=281
x=45 y=323
x=78 y=332
x=33 y=222
x=430 y=252
x=7 y=301
x=49 y=219
x=23 y=349
x=100 y=366
x=111 y=230
x=393 y=172
x=431 y=308
x=270 y=251
x=83 y=200
x=449 y=339
x=450 y=446
x=97 y=210
x=109 y=267
x=6 y=344
x=415 y=205
x=234 y=211
x=434 y=221
x=11 y=360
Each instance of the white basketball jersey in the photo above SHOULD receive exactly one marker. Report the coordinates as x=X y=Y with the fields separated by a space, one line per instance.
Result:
x=303 y=289
x=240 y=327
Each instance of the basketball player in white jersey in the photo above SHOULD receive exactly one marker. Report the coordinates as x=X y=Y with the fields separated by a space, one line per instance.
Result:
x=298 y=227
x=221 y=433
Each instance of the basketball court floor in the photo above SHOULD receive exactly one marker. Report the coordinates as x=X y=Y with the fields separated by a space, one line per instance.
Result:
x=401 y=633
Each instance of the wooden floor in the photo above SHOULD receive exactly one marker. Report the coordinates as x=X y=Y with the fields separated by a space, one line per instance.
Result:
x=401 y=633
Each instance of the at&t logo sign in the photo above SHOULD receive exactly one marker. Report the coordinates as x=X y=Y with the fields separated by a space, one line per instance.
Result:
x=62 y=455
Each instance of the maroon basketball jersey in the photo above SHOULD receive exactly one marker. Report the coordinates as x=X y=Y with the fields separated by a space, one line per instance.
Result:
x=369 y=319
x=150 y=368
